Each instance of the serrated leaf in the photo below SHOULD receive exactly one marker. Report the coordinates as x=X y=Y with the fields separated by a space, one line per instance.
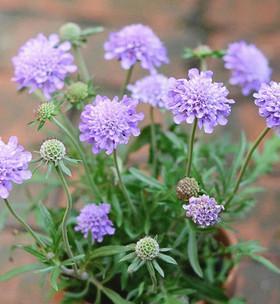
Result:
x=192 y=252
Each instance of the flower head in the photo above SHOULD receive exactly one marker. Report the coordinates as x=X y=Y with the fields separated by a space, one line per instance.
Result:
x=134 y=43
x=53 y=151
x=199 y=98
x=94 y=219
x=248 y=65
x=268 y=101
x=147 y=248
x=46 y=111
x=13 y=165
x=42 y=63
x=186 y=188
x=150 y=89
x=203 y=210
x=107 y=123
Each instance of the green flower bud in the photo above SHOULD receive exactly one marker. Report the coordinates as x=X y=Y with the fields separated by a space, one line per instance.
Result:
x=77 y=92
x=187 y=188
x=147 y=248
x=70 y=32
x=52 y=150
x=45 y=112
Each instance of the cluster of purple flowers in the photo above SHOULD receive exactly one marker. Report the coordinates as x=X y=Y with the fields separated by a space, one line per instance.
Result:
x=42 y=63
x=203 y=210
x=151 y=89
x=134 y=43
x=198 y=98
x=13 y=165
x=268 y=101
x=107 y=123
x=248 y=65
x=94 y=220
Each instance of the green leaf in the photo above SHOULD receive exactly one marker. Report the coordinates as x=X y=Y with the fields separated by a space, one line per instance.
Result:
x=167 y=259
x=92 y=30
x=192 y=252
x=158 y=268
x=114 y=297
x=14 y=272
x=54 y=277
x=266 y=263
x=128 y=257
x=46 y=218
x=108 y=250
x=148 y=180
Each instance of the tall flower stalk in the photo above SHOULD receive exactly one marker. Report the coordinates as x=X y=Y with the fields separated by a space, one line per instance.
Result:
x=190 y=148
x=153 y=141
x=127 y=80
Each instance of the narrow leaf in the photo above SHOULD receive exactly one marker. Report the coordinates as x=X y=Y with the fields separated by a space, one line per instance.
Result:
x=14 y=272
x=114 y=297
x=167 y=259
x=148 y=180
x=158 y=268
x=266 y=263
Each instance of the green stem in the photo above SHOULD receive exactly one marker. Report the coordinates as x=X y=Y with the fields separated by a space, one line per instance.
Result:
x=66 y=216
x=123 y=188
x=127 y=80
x=83 y=158
x=246 y=163
x=40 y=95
x=26 y=226
x=190 y=148
x=153 y=141
x=81 y=64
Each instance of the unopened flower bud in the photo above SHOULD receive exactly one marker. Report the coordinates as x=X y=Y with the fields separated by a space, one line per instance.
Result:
x=52 y=150
x=147 y=248
x=187 y=188
x=45 y=112
x=77 y=92
x=50 y=255
x=84 y=276
x=70 y=32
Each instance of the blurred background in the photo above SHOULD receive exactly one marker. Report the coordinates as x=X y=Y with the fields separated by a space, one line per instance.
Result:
x=179 y=24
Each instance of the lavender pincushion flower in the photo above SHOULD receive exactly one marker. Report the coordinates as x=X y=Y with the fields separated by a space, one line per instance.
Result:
x=134 y=43
x=13 y=165
x=199 y=98
x=203 y=210
x=151 y=89
x=107 y=123
x=248 y=65
x=268 y=101
x=94 y=219
x=42 y=63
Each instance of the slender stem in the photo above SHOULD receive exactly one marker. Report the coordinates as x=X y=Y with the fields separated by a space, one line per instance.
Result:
x=81 y=64
x=66 y=216
x=83 y=158
x=26 y=226
x=246 y=163
x=190 y=148
x=124 y=190
x=40 y=95
x=153 y=141
x=127 y=80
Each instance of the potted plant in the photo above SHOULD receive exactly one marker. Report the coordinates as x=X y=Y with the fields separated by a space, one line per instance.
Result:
x=155 y=231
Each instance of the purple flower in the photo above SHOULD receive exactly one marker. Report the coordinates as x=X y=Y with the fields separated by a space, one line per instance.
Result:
x=268 y=101
x=13 y=165
x=105 y=124
x=199 y=98
x=134 y=43
x=150 y=89
x=42 y=63
x=248 y=65
x=203 y=210
x=94 y=219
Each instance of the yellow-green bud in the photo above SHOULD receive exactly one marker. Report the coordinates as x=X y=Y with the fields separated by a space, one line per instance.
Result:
x=77 y=92
x=147 y=248
x=70 y=32
x=52 y=150
x=45 y=112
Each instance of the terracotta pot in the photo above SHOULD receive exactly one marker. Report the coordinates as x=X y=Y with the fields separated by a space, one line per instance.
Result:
x=227 y=238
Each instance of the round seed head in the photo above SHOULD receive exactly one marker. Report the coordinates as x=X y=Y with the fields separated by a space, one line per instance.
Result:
x=52 y=150
x=77 y=92
x=46 y=111
x=70 y=31
x=187 y=188
x=147 y=248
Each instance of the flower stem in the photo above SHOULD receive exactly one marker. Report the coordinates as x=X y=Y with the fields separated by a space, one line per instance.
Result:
x=127 y=80
x=26 y=226
x=81 y=63
x=153 y=141
x=246 y=163
x=123 y=188
x=190 y=148
x=83 y=158
x=66 y=216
